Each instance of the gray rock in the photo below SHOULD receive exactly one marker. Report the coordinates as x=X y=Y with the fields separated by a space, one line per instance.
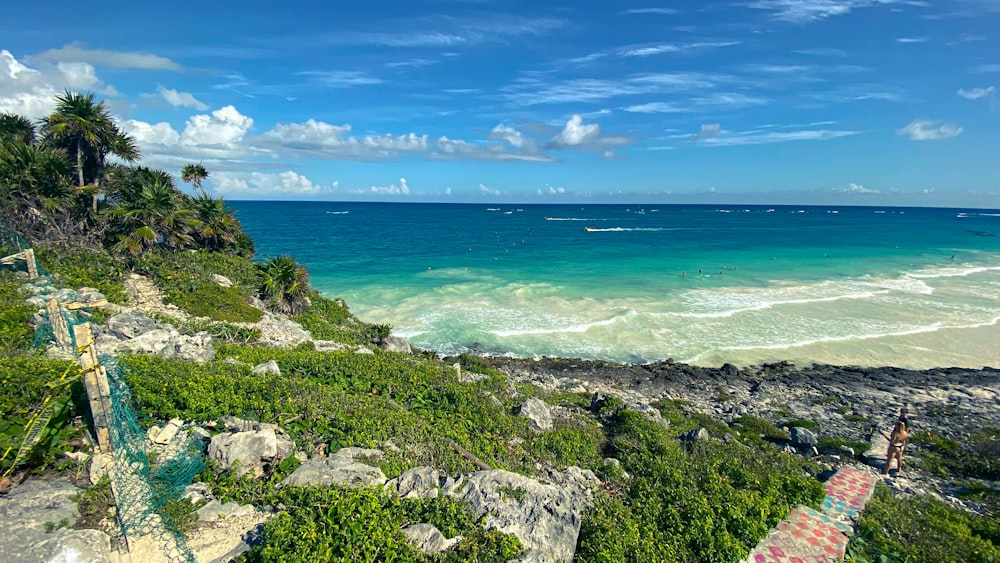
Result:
x=534 y=556
x=64 y=295
x=803 y=438
x=359 y=454
x=281 y=332
x=70 y=546
x=729 y=370
x=328 y=346
x=396 y=344
x=251 y=449
x=163 y=435
x=547 y=517
x=538 y=414
x=197 y=492
x=875 y=455
x=269 y=366
x=130 y=324
x=216 y=510
x=171 y=344
x=697 y=435
x=363 y=351
x=222 y=280
x=418 y=482
x=428 y=539
x=24 y=512
x=89 y=295
x=334 y=469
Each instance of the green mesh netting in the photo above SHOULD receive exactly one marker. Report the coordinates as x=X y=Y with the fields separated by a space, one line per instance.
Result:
x=142 y=489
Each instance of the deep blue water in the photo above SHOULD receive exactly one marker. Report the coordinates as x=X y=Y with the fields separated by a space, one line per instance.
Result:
x=909 y=286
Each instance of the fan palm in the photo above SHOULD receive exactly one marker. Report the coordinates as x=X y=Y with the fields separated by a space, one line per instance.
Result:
x=155 y=216
x=219 y=226
x=194 y=174
x=285 y=284
x=16 y=127
x=32 y=175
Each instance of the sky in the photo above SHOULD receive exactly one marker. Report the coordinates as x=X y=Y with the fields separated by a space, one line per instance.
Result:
x=839 y=102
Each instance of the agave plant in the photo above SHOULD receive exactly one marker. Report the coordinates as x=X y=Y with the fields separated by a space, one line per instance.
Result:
x=284 y=285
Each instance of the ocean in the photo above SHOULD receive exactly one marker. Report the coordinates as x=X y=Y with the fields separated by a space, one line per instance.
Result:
x=701 y=284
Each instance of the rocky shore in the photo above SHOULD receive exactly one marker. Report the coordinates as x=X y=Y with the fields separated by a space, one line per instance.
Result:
x=850 y=403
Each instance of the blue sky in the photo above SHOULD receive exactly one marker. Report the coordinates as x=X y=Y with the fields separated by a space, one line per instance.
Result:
x=755 y=101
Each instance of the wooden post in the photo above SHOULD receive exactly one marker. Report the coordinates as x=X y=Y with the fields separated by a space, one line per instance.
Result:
x=29 y=257
x=95 y=380
x=59 y=327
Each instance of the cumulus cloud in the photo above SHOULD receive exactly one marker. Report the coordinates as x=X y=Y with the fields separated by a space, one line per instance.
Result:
x=216 y=135
x=512 y=136
x=486 y=190
x=552 y=191
x=930 y=130
x=853 y=188
x=976 y=93
x=577 y=134
x=181 y=99
x=707 y=131
x=391 y=189
x=261 y=184
x=75 y=53
x=31 y=91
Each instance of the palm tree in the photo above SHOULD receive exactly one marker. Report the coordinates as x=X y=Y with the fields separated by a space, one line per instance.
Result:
x=16 y=127
x=84 y=128
x=285 y=285
x=155 y=216
x=194 y=174
x=36 y=191
x=219 y=226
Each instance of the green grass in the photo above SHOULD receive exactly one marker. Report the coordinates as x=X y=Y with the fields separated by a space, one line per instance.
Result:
x=80 y=267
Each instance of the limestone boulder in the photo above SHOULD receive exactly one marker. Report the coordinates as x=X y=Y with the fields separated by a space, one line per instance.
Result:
x=171 y=344
x=396 y=344
x=222 y=280
x=253 y=450
x=418 y=482
x=340 y=468
x=803 y=438
x=268 y=367
x=428 y=539
x=128 y=325
x=538 y=414
x=281 y=332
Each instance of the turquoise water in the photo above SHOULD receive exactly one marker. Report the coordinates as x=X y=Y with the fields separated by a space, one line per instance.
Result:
x=700 y=284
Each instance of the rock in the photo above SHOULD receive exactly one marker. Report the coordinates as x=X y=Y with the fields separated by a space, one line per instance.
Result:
x=538 y=414
x=729 y=370
x=281 y=332
x=197 y=492
x=396 y=344
x=89 y=295
x=222 y=280
x=171 y=344
x=328 y=346
x=418 y=482
x=24 y=512
x=875 y=455
x=428 y=539
x=335 y=469
x=803 y=438
x=76 y=546
x=163 y=436
x=216 y=510
x=534 y=556
x=130 y=324
x=251 y=449
x=64 y=295
x=100 y=464
x=697 y=435
x=364 y=351
x=269 y=366
x=544 y=517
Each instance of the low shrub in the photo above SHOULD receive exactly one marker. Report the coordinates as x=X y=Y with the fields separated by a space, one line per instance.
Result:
x=758 y=427
x=16 y=333
x=802 y=423
x=919 y=528
x=81 y=267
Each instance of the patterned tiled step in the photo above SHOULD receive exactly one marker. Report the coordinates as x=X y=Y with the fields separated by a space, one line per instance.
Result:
x=847 y=492
x=804 y=536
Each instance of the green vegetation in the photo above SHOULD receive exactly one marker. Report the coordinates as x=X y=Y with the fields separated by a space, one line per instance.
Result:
x=16 y=333
x=802 y=423
x=901 y=529
x=976 y=456
x=749 y=425
x=85 y=267
x=836 y=442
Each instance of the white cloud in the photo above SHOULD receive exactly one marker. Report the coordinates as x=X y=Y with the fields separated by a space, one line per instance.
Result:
x=660 y=11
x=804 y=11
x=225 y=127
x=512 y=136
x=32 y=91
x=341 y=78
x=181 y=99
x=486 y=190
x=391 y=189
x=929 y=130
x=146 y=134
x=707 y=131
x=911 y=39
x=987 y=68
x=575 y=133
x=662 y=48
x=766 y=137
x=654 y=107
x=976 y=93
x=260 y=184
x=730 y=99
x=552 y=190
x=585 y=136
x=75 y=53
x=853 y=188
